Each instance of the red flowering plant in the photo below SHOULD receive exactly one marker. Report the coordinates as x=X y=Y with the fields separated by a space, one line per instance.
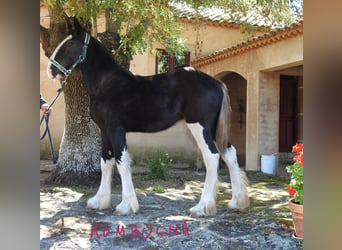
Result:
x=296 y=170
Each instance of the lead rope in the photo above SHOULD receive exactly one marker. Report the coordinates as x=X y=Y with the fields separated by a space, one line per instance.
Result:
x=45 y=117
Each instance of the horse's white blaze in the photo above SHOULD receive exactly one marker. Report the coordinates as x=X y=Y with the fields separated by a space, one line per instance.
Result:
x=48 y=68
x=102 y=199
x=238 y=180
x=129 y=201
x=207 y=203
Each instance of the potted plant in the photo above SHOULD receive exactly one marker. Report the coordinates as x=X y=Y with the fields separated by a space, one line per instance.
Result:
x=295 y=189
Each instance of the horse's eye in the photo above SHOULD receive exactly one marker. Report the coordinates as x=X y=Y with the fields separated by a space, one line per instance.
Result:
x=68 y=44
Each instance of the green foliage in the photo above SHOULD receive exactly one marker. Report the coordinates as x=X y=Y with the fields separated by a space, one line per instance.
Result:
x=159 y=189
x=297 y=181
x=158 y=165
x=296 y=170
x=144 y=22
x=163 y=63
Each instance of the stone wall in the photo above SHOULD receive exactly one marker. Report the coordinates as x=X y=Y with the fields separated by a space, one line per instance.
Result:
x=268 y=113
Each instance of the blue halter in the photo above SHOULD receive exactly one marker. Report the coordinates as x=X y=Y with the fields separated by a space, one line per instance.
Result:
x=80 y=59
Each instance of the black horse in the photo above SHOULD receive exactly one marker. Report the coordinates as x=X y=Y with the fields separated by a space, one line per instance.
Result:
x=122 y=102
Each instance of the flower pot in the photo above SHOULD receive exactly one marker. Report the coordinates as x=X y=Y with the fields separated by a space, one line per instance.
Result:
x=297 y=217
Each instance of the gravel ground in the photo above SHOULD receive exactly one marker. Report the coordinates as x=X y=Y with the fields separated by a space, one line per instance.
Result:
x=163 y=221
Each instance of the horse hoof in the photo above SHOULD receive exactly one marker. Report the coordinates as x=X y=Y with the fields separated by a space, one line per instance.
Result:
x=121 y=212
x=125 y=208
x=95 y=203
x=196 y=214
x=204 y=209
x=241 y=203
x=197 y=211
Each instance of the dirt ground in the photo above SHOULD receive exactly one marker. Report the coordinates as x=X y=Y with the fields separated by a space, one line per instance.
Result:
x=163 y=221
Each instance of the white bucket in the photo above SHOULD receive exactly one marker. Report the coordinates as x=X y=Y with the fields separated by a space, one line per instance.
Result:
x=268 y=164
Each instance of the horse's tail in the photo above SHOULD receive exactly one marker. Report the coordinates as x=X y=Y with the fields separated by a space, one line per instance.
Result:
x=223 y=122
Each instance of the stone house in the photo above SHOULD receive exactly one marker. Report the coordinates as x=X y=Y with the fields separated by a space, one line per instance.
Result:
x=263 y=71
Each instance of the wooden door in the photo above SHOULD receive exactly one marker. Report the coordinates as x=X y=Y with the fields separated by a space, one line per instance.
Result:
x=287 y=113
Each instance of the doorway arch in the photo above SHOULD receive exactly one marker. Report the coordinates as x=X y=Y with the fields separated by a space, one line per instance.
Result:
x=237 y=89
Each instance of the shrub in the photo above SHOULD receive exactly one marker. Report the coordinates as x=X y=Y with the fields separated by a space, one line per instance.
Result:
x=296 y=170
x=158 y=165
x=159 y=189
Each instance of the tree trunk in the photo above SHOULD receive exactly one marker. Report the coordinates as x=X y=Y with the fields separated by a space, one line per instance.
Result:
x=80 y=150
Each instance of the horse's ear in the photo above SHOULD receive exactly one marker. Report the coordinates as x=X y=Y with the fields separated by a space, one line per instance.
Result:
x=69 y=24
x=66 y=16
x=73 y=26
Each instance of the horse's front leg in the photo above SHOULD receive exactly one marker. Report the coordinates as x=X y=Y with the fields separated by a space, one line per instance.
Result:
x=129 y=201
x=102 y=199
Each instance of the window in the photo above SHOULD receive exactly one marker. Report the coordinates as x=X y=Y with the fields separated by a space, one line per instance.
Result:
x=167 y=63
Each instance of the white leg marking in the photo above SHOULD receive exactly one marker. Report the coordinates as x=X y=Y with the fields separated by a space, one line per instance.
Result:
x=102 y=199
x=207 y=203
x=48 y=68
x=129 y=201
x=238 y=180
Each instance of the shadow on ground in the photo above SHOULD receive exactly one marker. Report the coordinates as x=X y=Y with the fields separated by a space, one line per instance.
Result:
x=163 y=221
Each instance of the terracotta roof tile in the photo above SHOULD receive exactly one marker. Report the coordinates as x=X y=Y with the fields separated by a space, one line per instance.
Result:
x=256 y=42
x=221 y=16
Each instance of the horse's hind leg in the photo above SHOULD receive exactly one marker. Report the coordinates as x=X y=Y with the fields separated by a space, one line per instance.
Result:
x=207 y=203
x=238 y=180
